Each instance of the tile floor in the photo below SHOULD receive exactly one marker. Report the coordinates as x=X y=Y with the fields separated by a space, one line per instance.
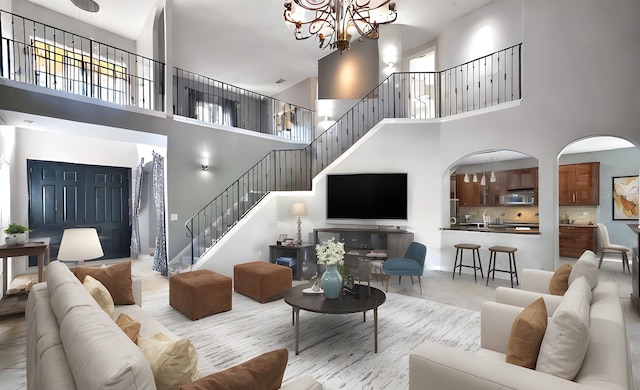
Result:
x=437 y=286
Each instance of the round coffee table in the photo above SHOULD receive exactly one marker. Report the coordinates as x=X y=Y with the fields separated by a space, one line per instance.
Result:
x=369 y=299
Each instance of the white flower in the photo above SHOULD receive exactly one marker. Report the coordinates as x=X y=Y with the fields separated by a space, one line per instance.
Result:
x=330 y=252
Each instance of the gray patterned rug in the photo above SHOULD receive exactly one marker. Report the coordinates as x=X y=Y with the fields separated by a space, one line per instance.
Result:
x=337 y=350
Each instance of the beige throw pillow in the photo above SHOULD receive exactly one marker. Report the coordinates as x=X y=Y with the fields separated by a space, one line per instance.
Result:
x=174 y=362
x=116 y=278
x=559 y=282
x=129 y=326
x=587 y=266
x=526 y=335
x=101 y=295
x=564 y=345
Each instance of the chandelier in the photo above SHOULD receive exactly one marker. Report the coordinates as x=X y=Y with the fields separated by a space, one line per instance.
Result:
x=333 y=22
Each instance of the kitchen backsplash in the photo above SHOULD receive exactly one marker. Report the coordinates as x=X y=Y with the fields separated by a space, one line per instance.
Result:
x=523 y=214
x=580 y=215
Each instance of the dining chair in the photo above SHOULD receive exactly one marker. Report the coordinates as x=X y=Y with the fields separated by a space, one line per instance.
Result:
x=412 y=264
x=608 y=247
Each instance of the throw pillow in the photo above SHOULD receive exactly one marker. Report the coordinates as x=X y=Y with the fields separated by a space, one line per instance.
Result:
x=129 y=326
x=173 y=362
x=587 y=266
x=101 y=295
x=263 y=372
x=526 y=335
x=560 y=280
x=116 y=278
x=565 y=342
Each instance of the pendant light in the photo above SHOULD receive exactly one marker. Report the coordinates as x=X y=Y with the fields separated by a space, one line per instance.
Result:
x=475 y=178
x=466 y=177
x=492 y=178
x=483 y=181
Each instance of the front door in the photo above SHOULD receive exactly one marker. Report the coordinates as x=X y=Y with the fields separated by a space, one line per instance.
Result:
x=65 y=195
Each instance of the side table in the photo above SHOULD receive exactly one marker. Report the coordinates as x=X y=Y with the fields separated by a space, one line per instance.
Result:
x=31 y=248
x=303 y=255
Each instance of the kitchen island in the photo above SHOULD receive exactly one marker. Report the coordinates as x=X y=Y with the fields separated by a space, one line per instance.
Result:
x=514 y=228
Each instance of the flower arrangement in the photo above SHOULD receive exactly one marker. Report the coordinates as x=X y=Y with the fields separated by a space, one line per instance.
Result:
x=330 y=252
x=15 y=228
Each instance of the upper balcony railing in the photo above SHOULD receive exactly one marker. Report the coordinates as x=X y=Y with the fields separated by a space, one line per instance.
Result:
x=477 y=84
x=38 y=54
x=213 y=101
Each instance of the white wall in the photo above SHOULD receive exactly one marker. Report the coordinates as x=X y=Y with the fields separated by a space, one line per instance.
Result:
x=579 y=79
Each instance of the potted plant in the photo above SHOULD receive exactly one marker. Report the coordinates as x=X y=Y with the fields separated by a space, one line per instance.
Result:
x=16 y=234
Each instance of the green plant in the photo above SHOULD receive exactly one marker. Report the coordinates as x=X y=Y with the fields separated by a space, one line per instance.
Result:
x=15 y=228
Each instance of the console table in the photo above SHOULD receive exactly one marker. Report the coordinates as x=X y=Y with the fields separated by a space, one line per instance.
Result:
x=304 y=256
x=31 y=248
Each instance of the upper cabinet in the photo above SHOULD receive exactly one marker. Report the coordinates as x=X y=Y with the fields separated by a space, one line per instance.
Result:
x=579 y=184
x=521 y=179
x=491 y=194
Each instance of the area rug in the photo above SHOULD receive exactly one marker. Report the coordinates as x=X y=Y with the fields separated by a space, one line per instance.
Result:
x=337 y=350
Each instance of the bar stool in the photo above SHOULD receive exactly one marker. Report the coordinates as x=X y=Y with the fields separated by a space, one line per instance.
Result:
x=513 y=270
x=458 y=261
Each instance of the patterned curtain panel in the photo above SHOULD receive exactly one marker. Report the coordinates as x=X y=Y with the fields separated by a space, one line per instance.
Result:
x=160 y=253
x=135 y=211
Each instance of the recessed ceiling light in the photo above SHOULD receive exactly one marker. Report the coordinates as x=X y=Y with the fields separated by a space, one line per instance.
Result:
x=280 y=81
x=86 y=5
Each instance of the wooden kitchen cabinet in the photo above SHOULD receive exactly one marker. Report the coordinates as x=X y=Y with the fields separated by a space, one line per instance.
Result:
x=519 y=179
x=579 y=184
x=574 y=240
x=469 y=194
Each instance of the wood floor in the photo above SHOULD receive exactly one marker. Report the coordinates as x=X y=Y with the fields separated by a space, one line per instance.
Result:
x=437 y=286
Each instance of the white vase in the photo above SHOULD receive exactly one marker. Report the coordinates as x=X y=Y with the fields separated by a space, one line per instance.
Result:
x=11 y=239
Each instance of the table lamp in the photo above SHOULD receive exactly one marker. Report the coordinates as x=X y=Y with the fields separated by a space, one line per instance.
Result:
x=298 y=209
x=79 y=245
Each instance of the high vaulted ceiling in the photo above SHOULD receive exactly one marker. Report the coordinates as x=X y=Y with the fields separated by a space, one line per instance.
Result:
x=246 y=42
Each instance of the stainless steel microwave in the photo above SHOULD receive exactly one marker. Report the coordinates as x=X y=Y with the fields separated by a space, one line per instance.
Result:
x=518 y=198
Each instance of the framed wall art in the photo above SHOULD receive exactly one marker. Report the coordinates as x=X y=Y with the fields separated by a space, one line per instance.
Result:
x=625 y=197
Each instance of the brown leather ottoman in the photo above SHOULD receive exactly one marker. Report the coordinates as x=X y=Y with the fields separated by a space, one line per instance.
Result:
x=262 y=281
x=200 y=293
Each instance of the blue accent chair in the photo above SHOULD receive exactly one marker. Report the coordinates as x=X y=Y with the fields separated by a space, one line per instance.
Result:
x=412 y=264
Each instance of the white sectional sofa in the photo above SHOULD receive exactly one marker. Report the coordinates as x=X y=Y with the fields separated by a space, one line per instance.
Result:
x=73 y=344
x=606 y=364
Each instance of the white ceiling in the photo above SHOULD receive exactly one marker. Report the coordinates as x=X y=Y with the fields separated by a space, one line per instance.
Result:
x=246 y=42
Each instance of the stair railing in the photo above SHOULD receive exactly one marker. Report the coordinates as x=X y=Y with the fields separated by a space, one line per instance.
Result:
x=484 y=82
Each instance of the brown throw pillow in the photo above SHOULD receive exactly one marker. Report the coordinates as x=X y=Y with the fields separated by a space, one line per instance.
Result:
x=116 y=278
x=263 y=372
x=559 y=282
x=526 y=335
x=129 y=326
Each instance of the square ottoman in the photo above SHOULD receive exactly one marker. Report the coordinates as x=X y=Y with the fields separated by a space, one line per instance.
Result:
x=262 y=281
x=200 y=293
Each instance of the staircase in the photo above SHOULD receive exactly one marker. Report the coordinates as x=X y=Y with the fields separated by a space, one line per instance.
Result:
x=481 y=83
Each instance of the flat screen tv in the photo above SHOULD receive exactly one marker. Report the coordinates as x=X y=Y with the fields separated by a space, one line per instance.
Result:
x=368 y=196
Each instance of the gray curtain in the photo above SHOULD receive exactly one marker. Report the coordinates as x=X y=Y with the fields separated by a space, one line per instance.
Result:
x=160 y=253
x=135 y=210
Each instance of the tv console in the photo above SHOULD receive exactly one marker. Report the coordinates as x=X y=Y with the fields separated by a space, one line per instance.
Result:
x=362 y=242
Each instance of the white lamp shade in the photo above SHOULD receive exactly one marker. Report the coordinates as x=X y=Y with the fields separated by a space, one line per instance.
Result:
x=298 y=209
x=80 y=244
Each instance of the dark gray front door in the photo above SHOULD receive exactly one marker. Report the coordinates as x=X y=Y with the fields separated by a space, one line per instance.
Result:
x=65 y=195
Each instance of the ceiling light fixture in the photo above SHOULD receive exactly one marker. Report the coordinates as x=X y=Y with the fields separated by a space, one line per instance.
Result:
x=87 y=5
x=333 y=22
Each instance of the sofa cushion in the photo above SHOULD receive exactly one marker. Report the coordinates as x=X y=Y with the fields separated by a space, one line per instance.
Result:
x=100 y=293
x=174 y=362
x=263 y=372
x=587 y=266
x=559 y=282
x=565 y=342
x=116 y=278
x=526 y=335
x=129 y=326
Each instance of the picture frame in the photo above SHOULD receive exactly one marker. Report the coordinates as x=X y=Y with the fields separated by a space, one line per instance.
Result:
x=624 y=197
x=282 y=237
